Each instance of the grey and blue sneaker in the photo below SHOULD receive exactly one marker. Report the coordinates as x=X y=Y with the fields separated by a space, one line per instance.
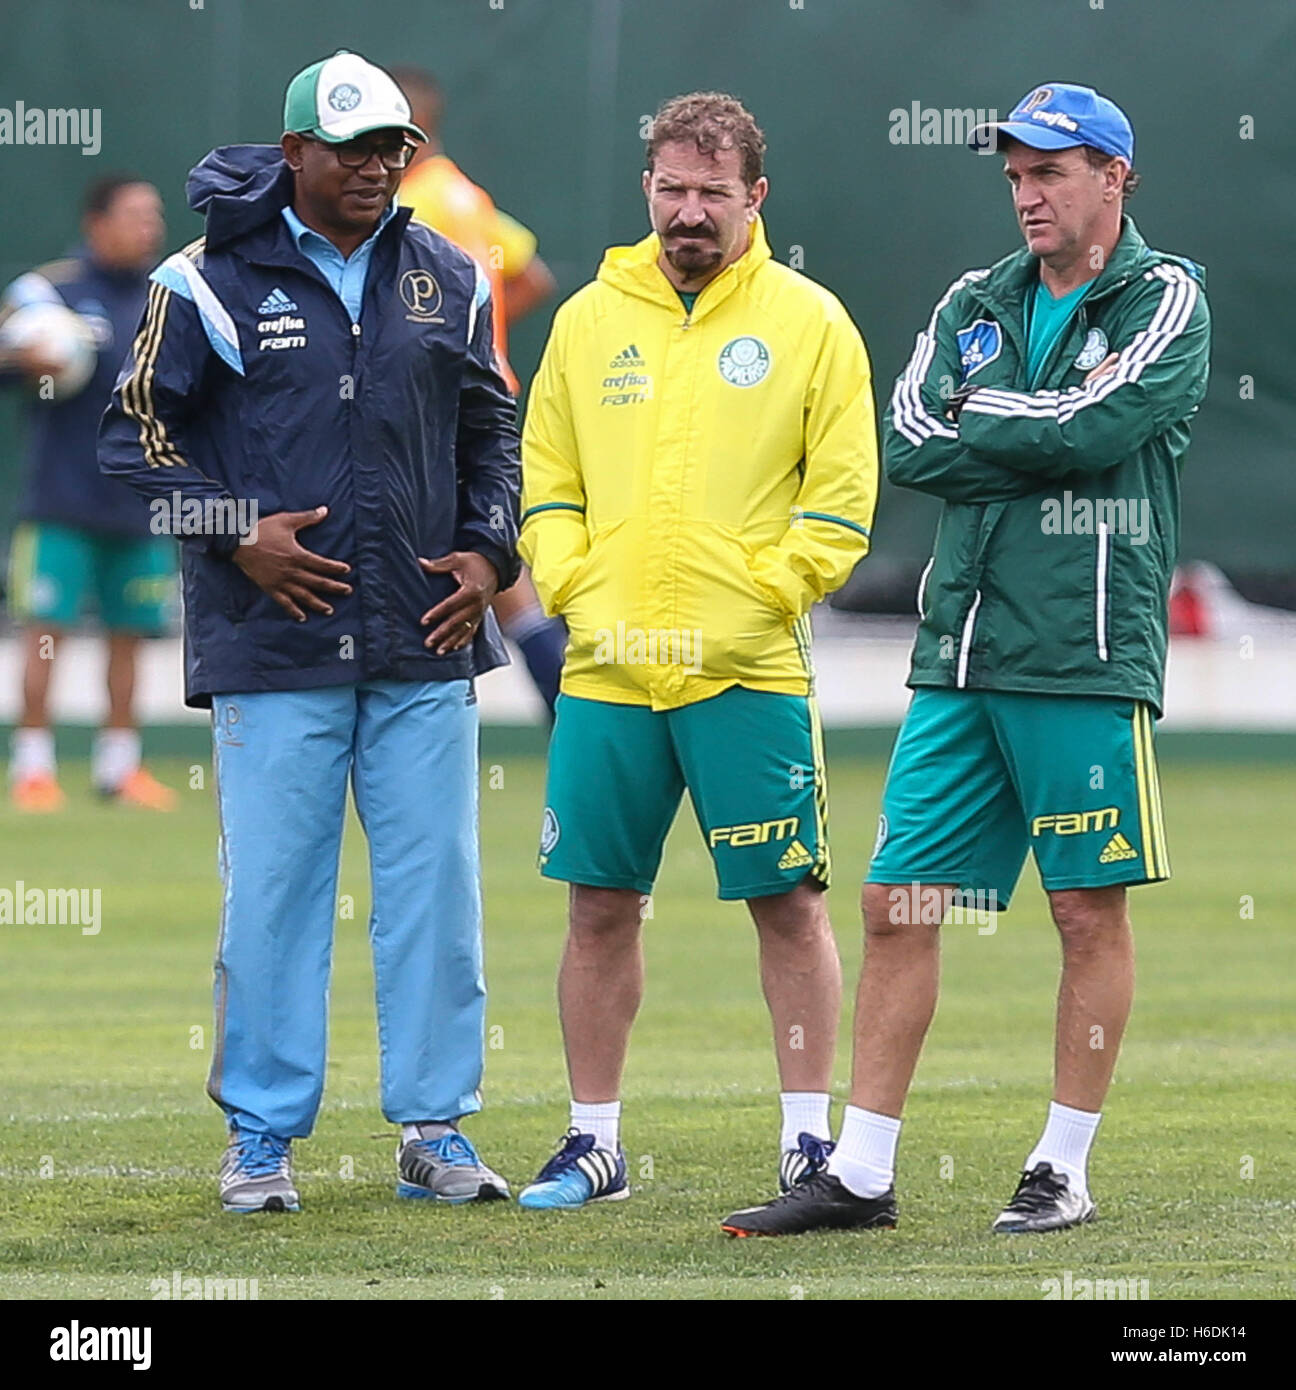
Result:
x=579 y=1173
x=256 y=1173
x=441 y=1165
x=808 y=1158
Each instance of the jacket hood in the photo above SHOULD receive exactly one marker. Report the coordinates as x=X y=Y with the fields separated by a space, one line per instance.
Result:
x=237 y=188
x=634 y=269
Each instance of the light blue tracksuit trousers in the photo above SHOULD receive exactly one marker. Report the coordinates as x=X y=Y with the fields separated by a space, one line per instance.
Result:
x=282 y=763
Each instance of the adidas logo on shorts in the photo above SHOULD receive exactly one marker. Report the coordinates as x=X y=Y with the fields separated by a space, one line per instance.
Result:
x=796 y=856
x=1118 y=848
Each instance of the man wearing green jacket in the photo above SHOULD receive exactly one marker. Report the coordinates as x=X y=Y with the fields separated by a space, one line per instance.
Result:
x=1047 y=403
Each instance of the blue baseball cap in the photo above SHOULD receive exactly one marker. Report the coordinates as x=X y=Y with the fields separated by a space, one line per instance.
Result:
x=1059 y=115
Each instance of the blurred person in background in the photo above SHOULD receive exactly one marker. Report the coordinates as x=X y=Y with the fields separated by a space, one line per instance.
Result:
x=444 y=197
x=79 y=533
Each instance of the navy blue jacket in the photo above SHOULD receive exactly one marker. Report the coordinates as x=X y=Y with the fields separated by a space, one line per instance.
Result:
x=63 y=482
x=252 y=385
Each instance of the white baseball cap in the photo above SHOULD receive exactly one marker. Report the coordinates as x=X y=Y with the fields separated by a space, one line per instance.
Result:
x=344 y=96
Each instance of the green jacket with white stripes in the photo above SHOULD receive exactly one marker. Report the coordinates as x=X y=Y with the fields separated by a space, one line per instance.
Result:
x=1051 y=567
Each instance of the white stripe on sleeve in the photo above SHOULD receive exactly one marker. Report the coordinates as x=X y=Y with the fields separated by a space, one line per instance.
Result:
x=908 y=413
x=481 y=297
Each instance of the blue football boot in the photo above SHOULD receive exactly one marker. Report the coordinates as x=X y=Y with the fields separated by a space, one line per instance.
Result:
x=579 y=1173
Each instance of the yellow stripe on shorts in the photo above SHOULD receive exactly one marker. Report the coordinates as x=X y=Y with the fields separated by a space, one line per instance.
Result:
x=1151 y=828
x=823 y=859
x=1141 y=786
x=1158 y=811
x=802 y=636
x=22 y=569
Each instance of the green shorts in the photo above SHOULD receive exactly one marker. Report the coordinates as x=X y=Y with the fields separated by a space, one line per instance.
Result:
x=54 y=570
x=978 y=777
x=753 y=765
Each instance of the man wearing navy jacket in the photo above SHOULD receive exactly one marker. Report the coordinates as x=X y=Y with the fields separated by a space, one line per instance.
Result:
x=312 y=398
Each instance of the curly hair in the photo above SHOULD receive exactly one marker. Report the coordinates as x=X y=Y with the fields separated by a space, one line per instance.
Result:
x=711 y=121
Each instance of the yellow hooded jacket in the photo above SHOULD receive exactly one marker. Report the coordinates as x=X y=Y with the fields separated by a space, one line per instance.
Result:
x=694 y=482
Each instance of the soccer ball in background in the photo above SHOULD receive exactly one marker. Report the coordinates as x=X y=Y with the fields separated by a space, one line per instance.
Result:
x=62 y=336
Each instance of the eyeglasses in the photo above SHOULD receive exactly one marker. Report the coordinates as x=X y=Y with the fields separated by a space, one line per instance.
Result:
x=355 y=154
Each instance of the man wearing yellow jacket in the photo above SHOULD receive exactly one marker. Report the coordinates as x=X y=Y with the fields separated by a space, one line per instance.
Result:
x=700 y=467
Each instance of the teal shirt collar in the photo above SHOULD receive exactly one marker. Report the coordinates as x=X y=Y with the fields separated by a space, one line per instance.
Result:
x=1047 y=319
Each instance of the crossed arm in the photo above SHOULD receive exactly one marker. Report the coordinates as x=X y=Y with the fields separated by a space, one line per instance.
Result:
x=988 y=444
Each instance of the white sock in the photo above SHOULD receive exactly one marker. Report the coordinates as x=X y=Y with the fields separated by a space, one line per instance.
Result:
x=116 y=754
x=803 y=1111
x=1068 y=1136
x=426 y=1129
x=31 y=751
x=864 y=1159
x=602 y=1120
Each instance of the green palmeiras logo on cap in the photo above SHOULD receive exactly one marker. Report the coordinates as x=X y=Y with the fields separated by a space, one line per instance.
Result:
x=744 y=361
x=1094 y=350
x=344 y=96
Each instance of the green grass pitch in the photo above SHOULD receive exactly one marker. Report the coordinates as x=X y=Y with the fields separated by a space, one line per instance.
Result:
x=110 y=1146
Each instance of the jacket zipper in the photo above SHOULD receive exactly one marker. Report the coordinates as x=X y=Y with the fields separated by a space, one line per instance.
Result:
x=965 y=645
x=1100 y=616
